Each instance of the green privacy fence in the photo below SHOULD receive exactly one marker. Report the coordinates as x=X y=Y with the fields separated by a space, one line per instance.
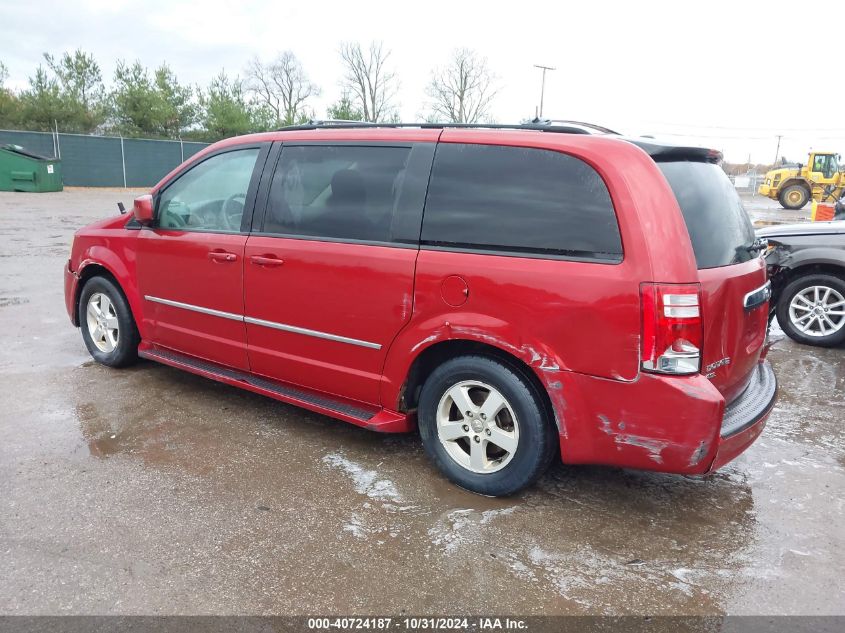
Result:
x=106 y=161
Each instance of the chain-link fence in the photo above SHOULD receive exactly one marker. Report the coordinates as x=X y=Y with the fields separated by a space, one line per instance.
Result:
x=747 y=183
x=106 y=161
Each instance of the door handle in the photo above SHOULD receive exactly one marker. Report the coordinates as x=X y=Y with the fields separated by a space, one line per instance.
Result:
x=221 y=256
x=260 y=260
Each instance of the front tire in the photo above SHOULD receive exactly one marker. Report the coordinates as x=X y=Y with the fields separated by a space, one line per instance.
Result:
x=811 y=310
x=485 y=426
x=793 y=197
x=108 y=328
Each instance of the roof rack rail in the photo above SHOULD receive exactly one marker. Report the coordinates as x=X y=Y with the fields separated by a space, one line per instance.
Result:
x=566 y=122
x=540 y=125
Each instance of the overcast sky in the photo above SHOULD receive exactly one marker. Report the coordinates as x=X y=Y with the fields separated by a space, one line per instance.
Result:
x=730 y=73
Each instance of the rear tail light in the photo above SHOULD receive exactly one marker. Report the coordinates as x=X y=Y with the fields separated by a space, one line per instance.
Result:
x=672 y=328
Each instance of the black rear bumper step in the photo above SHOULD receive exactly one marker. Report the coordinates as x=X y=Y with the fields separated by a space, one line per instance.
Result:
x=757 y=399
x=287 y=391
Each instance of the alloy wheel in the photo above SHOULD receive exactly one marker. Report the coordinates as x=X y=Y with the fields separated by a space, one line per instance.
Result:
x=817 y=311
x=102 y=322
x=477 y=426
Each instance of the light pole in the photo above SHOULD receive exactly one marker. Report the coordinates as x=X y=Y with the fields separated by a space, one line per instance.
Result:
x=777 y=151
x=543 y=85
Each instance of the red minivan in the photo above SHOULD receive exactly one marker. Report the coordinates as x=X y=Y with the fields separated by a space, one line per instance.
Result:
x=511 y=291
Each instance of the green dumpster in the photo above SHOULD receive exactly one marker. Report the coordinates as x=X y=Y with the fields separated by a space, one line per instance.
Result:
x=21 y=170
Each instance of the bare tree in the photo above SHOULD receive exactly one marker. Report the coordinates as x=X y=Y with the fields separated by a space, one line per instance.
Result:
x=370 y=84
x=282 y=86
x=462 y=91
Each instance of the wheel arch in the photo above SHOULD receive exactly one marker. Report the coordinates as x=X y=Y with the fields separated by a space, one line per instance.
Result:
x=809 y=264
x=85 y=274
x=96 y=264
x=795 y=180
x=437 y=352
x=813 y=265
x=783 y=310
x=790 y=182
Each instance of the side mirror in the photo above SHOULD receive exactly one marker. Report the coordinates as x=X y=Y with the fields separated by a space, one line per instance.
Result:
x=142 y=210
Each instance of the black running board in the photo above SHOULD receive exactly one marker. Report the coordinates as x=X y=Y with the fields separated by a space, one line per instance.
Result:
x=288 y=393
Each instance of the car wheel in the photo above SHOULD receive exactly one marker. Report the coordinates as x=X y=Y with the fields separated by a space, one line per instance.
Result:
x=485 y=426
x=793 y=197
x=107 y=325
x=811 y=310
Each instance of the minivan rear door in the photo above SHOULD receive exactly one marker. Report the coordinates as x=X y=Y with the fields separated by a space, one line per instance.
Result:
x=731 y=272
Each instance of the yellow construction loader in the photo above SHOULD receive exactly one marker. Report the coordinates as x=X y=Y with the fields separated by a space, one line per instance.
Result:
x=821 y=179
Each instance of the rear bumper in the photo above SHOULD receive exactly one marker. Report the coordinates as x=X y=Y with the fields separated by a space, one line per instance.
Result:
x=746 y=416
x=668 y=424
x=71 y=282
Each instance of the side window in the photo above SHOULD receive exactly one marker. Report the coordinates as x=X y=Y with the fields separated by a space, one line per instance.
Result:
x=822 y=164
x=516 y=199
x=210 y=196
x=343 y=192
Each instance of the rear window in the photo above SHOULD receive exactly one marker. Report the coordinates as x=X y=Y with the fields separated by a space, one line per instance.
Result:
x=718 y=226
x=519 y=200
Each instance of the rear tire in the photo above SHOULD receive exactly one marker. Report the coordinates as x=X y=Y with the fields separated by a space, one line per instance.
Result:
x=108 y=328
x=793 y=197
x=497 y=454
x=801 y=310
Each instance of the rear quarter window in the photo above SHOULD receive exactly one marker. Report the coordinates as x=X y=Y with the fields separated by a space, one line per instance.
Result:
x=519 y=200
x=718 y=226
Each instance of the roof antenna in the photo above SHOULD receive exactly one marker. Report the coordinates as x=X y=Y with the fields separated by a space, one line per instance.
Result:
x=121 y=208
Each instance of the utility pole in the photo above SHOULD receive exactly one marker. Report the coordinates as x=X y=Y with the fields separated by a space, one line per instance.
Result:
x=542 y=86
x=777 y=151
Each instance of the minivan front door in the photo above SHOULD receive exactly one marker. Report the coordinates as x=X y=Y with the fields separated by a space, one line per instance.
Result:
x=190 y=263
x=329 y=275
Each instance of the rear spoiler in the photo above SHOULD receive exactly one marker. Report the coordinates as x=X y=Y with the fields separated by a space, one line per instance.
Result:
x=661 y=151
